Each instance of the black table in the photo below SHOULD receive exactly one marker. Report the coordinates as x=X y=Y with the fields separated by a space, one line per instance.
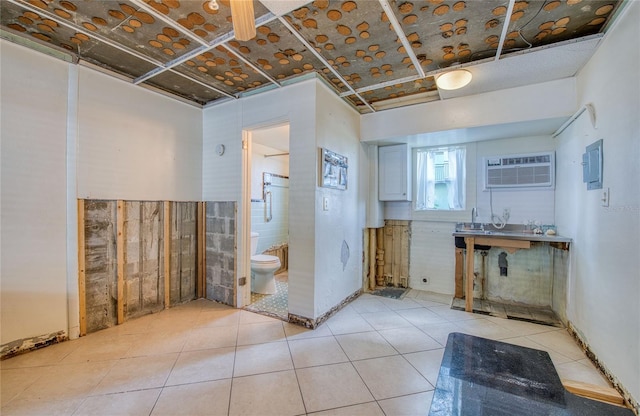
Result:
x=480 y=376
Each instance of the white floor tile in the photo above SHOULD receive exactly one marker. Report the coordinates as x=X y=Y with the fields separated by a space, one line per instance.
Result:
x=198 y=399
x=202 y=365
x=391 y=377
x=274 y=394
x=332 y=386
x=137 y=373
x=120 y=404
x=316 y=351
x=365 y=345
x=365 y=409
x=427 y=363
x=257 y=333
x=409 y=405
x=262 y=358
x=385 y=320
x=411 y=339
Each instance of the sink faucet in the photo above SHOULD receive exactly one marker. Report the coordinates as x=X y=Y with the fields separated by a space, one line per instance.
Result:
x=474 y=214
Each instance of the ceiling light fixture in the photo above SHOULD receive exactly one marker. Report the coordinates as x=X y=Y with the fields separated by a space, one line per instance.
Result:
x=244 y=22
x=453 y=80
x=213 y=5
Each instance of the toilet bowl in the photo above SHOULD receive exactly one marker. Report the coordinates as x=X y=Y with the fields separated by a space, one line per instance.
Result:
x=262 y=269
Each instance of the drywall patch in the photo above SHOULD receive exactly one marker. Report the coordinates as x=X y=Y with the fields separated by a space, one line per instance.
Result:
x=21 y=346
x=221 y=243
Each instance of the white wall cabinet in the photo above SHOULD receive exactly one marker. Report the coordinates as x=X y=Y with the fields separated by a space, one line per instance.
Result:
x=394 y=172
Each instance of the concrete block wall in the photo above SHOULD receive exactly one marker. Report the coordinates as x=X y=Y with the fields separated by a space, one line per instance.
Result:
x=221 y=249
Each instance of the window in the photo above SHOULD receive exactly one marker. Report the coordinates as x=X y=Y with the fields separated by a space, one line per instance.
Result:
x=440 y=178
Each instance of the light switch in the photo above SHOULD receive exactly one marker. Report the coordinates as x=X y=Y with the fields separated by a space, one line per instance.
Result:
x=325 y=204
x=605 y=197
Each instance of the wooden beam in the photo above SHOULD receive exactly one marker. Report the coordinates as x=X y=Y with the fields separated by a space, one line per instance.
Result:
x=592 y=391
x=502 y=242
x=372 y=258
x=167 y=254
x=468 y=295
x=82 y=278
x=458 y=273
x=200 y=248
x=120 y=247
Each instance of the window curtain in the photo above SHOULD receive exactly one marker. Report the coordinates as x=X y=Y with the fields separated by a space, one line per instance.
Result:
x=456 y=174
x=426 y=180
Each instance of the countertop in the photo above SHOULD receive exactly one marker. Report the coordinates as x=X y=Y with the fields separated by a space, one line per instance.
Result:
x=480 y=376
x=512 y=235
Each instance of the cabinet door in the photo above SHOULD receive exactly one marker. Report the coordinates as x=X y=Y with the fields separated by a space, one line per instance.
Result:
x=393 y=180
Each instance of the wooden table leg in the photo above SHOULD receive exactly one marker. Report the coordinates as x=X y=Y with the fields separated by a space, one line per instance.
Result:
x=459 y=292
x=468 y=296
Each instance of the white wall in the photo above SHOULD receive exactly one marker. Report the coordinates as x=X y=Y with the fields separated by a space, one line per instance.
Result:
x=136 y=144
x=604 y=284
x=33 y=193
x=129 y=143
x=223 y=177
x=338 y=130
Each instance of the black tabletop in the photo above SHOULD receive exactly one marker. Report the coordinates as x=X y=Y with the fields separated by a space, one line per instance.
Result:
x=479 y=376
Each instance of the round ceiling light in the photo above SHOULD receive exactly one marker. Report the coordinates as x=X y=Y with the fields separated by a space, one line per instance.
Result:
x=454 y=79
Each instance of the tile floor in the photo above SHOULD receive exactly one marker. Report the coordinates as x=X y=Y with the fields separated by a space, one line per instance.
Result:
x=377 y=356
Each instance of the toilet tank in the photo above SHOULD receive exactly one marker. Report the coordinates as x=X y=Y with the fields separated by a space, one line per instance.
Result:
x=254 y=242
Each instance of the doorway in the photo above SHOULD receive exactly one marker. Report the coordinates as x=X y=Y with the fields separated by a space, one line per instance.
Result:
x=268 y=219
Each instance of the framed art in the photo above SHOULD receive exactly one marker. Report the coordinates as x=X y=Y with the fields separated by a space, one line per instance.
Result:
x=334 y=170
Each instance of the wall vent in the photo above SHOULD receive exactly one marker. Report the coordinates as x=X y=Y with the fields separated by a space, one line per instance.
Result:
x=520 y=171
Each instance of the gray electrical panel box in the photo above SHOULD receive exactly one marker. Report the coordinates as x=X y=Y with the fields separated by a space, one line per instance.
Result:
x=592 y=163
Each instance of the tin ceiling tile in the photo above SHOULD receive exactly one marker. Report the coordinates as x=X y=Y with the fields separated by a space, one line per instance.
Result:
x=277 y=52
x=443 y=33
x=355 y=38
x=223 y=70
x=537 y=23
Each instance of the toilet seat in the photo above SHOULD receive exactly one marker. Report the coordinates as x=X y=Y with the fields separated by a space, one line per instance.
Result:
x=264 y=259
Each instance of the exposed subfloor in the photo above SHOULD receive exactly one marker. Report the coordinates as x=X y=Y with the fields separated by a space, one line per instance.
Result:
x=538 y=315
x=376 y=356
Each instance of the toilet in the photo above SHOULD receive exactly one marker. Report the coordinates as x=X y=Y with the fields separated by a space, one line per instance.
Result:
x=262 y=269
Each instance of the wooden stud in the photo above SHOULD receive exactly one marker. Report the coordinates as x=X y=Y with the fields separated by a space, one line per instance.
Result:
x=458 y=273
x=82 y=278
x=372 y=258
x=167 y=254
x=203 y=235
x=468 y=295
x=120 y=245
x=200 y=248
x=404 y=258
x=591 y=391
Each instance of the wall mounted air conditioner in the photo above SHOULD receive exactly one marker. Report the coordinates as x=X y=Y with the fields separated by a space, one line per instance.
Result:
x=520 y=171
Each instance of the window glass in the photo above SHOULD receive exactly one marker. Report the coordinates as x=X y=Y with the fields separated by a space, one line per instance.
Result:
x=440 y=178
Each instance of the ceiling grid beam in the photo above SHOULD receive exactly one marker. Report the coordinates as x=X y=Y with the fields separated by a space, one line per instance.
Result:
x=73 y=26
x=219 y=41
x=505 y=29
x=312 y=49
x=250 y=64
x=226 y=94
x=403 y=38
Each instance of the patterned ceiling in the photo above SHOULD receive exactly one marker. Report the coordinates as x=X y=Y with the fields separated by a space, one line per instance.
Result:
x=371 y=51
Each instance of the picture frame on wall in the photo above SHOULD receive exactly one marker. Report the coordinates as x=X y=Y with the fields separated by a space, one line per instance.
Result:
x=333 y=170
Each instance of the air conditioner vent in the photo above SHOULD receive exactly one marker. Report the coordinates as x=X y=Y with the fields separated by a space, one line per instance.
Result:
x=520 y=171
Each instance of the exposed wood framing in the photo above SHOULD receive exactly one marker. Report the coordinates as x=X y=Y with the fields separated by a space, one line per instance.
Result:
x=167 y=254
x=396 y=253
x=458 y=273
x=468 y=295
x=200 y=232
x=81 y=270
x=594 y=392
x=120 y=247
x=372 y=258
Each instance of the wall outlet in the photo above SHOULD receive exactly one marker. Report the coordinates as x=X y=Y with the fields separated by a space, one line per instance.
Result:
x=605 y=197
x=325 y=204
